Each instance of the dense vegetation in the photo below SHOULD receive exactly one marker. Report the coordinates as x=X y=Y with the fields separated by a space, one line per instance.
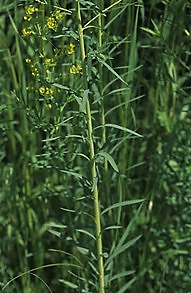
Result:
x=95 y=149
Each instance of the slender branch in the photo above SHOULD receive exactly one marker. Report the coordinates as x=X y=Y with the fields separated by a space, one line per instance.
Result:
x=92 y=157
x=100 y=33
x=98 y=15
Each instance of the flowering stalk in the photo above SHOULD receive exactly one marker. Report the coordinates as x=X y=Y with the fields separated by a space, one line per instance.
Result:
x=92 y=157
x=100 y=32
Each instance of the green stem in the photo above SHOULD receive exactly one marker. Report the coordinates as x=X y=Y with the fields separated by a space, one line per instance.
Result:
x=100 y=32
x=92 y=158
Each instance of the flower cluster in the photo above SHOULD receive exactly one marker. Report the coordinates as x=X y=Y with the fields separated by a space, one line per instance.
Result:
x=70 y=49
x=33 y=67
x=48 y=61
x=29 y=10
x=34 y=70
x=58 y=14
x=43 y=90
x=41 y=22
x=52 y=23
x=27 y=31
x=75 y=69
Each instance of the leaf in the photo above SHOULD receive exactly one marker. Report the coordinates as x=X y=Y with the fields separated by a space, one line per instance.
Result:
x=127 y=286
x=94 y=268
x=156 y=27
x=116 y=16
x=82 y=250
x=51 y=139
x=62 y=87
x=121 y=249
x=67 y=210
x=120 y=128
x=47 y=287
x=67 y=253
x=59 y=226
x=55 y=233
x=112 y=71
x=66 y=120
x=122 y=204
x=68 y=284
x=72 y=173
x=86 y=233
x=40 y=268
x=84 y=101
x=127 y=230
x=121 y=275
x=94 y=183
x=175 y=252
x=115 y=91
x=110 y=160
x=156 y=31
x=148 y=30
x=132 y=59
x=112 y=227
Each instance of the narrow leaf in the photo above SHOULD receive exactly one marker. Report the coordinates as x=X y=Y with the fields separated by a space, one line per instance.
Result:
x=55 y=233
x=121 y=249
x=86 y=233
x=110 y=160
x=51 y=139
x=84 y=101
x=60 y=86
x=120 y=128
x=148 y=30
x=121 y=275
x=127 y=286
x=40 y=268
x=67 y=210
x=122 y=204
x=68 y=284
x=112 y=71
x=112 y=227
x=72 y=173
x=130 y=225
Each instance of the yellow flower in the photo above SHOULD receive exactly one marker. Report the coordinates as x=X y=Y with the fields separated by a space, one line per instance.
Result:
x=59 y=15
x=49 y=91
x=42 y=90
x=75 y=69
x=31 y=9
x=28 y=60
x=45 y=90
x=79 y=68
x=52 y=24
x=27 y=17
x=70 y=49
x=48 y=61
x=27 y=31
x=34 y=70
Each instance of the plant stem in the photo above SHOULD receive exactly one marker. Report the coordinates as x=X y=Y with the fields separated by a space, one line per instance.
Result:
x=92 y=157
x=100 y=32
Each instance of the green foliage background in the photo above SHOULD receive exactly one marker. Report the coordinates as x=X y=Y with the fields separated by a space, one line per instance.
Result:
x=138 y=78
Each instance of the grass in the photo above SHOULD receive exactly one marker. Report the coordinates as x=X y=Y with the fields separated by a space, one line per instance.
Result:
x=95 y=146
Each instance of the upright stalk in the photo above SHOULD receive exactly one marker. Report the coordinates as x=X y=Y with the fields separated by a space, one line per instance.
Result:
x=100 y=32
x=92 y=157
